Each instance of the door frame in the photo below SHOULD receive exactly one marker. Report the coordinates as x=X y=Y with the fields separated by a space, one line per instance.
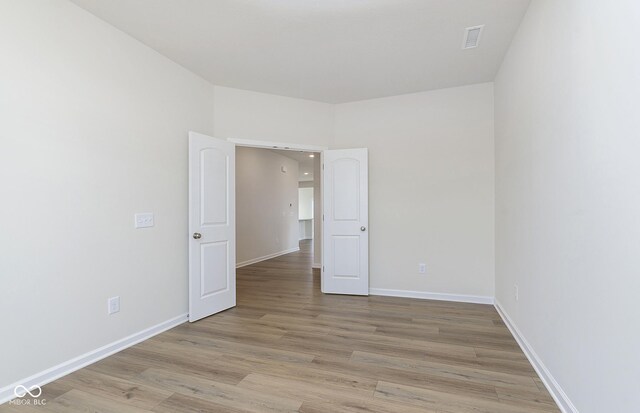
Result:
x=296 y=147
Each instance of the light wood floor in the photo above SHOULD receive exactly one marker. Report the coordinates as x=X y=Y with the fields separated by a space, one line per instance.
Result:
x=287 y=347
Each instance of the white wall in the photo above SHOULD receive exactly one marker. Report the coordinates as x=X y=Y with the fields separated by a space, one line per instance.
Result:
x=305 y=210
x=568 y=196
x=242 y=114
x=266 y=204
x=317 y=212
x=305 y=203
x=305 y=229
x=93 y=128
x=430 y=187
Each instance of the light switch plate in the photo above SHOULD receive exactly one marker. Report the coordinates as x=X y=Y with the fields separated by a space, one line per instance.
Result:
x=144 y=220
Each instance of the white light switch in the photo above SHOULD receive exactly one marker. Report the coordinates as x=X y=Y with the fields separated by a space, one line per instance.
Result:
x=144 y=220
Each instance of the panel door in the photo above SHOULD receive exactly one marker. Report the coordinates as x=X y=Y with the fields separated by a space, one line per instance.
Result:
x=346 y=221
x=212 y=243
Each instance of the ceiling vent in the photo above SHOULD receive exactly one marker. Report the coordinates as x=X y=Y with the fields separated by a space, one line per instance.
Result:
x=472 y=37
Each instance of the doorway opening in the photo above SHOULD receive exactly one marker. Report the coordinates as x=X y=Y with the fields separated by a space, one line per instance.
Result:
x=278 y=206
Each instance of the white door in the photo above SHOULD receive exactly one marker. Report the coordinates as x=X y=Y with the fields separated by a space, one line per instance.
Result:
x=212 y=226
x=345 y=252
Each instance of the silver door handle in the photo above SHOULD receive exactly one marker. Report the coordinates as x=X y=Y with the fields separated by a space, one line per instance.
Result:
x=197 y=235
x=363 y=228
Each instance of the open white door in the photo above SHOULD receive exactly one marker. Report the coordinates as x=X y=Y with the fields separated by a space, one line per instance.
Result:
x=345 y=252
x=212 y=226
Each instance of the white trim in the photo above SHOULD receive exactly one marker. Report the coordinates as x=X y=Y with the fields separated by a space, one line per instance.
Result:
x=266 y=257
x=69 y=366
x=322 y=234
x=314 y=265
x=560 y=397
x=277 y=145
x=477 y=299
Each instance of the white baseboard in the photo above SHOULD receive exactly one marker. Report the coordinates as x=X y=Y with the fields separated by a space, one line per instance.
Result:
x=477 y=299
x=266 y=257
x=560 y=397
x=69 y=366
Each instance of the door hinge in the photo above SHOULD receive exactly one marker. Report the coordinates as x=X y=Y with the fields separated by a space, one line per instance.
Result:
x=323 y=167
x=323 y=217
x=323 y=268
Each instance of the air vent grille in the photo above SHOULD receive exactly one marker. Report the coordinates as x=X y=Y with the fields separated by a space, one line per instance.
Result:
x=472 y=37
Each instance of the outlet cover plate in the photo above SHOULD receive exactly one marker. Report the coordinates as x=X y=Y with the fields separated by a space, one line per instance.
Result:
x=143 y=220
x=113 y=305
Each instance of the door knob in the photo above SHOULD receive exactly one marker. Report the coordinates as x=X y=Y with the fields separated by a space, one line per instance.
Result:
x=363 y=228
x=197 y=235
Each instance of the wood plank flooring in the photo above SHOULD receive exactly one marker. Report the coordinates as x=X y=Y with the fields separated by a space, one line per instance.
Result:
x=286 y=347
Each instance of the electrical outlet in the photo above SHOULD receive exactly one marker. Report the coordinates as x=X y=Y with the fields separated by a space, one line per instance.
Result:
x=516 y=292
x=113 y=305
x=143 y=220
x=422 y=268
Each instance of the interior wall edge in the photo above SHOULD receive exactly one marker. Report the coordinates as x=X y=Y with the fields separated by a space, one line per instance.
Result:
x=554 y=388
